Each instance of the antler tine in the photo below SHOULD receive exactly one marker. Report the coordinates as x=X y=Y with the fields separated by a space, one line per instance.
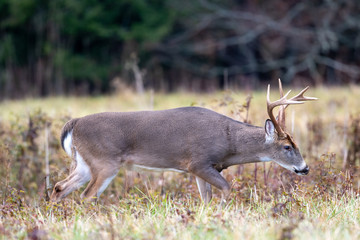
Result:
x=270 y=107
x=281 y=115
x=280 y=102
x=280 y=89
x=301 y=97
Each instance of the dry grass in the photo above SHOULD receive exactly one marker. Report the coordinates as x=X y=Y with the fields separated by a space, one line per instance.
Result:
x=267 y=202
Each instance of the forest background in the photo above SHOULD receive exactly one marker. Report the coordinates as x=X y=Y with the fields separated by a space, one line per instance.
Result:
x=93 y=47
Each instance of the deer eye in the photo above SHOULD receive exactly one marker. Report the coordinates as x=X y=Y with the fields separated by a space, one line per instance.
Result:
x=287 y=147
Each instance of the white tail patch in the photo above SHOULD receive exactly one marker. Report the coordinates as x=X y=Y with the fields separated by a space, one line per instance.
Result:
x=68 y=143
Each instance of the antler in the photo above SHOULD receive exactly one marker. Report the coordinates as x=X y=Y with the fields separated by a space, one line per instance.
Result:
x=301 y=97
x=281 y=115
x=298 y=99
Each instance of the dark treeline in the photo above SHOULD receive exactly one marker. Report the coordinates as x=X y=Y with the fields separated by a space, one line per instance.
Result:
x=50 y=47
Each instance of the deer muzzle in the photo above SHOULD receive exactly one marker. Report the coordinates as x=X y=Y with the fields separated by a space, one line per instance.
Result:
x=303 y=171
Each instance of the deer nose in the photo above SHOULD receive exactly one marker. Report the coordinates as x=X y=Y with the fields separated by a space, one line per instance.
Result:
x=304 y=171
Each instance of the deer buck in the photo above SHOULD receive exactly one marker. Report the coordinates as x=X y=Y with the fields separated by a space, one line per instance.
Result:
x=190 y=139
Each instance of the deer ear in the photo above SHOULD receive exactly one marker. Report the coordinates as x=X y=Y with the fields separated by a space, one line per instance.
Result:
x=269 y=131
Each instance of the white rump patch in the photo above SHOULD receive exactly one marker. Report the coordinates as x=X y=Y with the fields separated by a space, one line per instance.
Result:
x=265 y=159
x=68 y=143
x=142 y=167
x=82 y=169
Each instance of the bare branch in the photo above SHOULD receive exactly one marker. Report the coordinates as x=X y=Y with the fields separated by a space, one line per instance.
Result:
x=352 y=71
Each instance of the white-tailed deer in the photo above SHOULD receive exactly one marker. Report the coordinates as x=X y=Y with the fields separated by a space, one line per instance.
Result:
x=190 y=139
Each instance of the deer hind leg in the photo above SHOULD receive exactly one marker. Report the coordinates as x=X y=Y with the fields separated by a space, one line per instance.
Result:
x=204 y=189
x=79 y=176
x=212 y=176
x=98 y=183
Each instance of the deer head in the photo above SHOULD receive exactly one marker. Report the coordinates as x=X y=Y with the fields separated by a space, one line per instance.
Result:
x=280 y=143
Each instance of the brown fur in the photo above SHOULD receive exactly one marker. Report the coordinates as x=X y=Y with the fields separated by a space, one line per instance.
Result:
x=192 y=139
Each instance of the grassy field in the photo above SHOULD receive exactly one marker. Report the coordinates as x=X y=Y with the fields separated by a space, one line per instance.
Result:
x=267 y=202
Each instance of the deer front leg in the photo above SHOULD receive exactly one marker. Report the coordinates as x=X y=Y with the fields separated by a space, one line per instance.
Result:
x=212 y=176
x=204 y=190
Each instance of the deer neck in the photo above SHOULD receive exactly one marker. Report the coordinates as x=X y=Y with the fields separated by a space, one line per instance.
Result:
x=248 y=146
